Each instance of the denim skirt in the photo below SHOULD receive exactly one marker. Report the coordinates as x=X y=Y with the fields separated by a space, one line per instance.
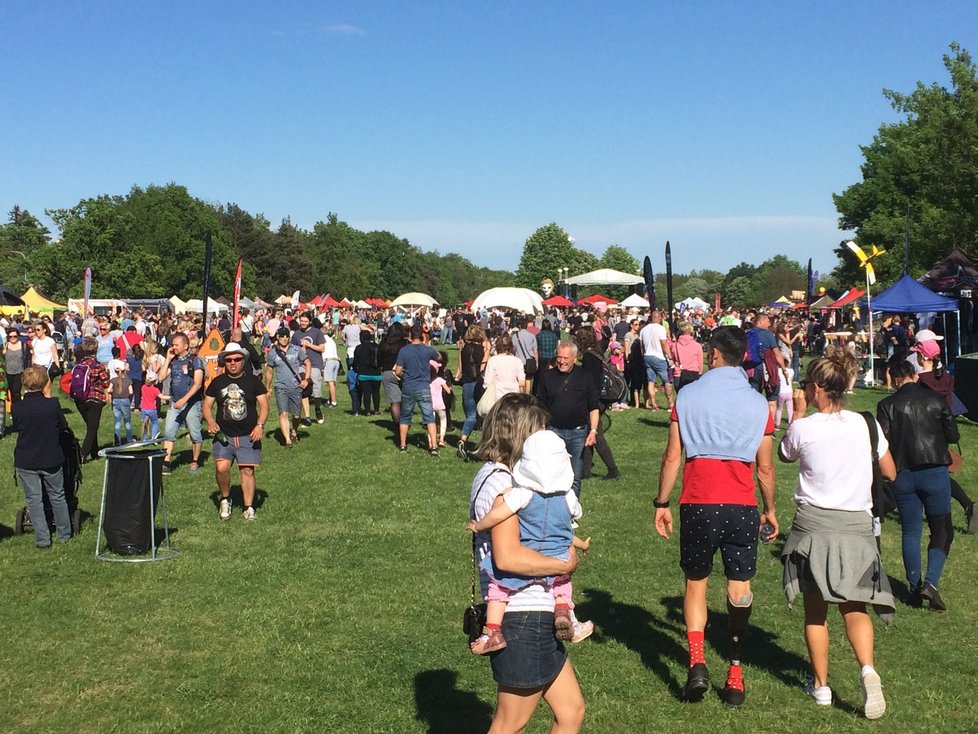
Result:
x=533 y=656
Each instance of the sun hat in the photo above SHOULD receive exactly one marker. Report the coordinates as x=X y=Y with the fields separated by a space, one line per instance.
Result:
x=545 y=466
x=231 y=348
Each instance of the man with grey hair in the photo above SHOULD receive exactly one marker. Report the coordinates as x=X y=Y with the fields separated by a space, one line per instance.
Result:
x=569 y=395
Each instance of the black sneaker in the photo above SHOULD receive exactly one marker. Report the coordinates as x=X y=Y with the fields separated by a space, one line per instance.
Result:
x=697 y=683
x=167 y=469
x=319 y=415
x=306 y=422
x=933 y=596
x=462 y=453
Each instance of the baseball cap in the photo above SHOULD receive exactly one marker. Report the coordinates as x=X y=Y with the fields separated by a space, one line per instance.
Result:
x=926 y=335
x=282 y=332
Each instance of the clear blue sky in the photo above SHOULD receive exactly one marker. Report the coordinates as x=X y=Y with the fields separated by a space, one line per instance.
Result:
x=724 y=127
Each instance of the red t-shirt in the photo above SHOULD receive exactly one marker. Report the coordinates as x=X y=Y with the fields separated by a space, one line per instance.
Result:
x=720 y=481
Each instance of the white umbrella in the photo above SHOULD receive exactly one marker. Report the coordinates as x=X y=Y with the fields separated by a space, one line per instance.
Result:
x=414 y=299
x=634 y=301
x=518 y=299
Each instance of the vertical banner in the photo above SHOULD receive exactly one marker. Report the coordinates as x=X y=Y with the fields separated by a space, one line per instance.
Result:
x=207 y=278
x=88 y=291
x=810 y=288
x=716 y=307
x=671 y=303
x=237 y=294
x=649 y=282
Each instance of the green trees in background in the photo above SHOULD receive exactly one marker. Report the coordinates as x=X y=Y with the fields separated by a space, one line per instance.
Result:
x=926 y=165
x=548 y=249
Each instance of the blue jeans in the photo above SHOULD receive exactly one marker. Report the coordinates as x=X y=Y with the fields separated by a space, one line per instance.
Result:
x=37 y=483
x=122 y=410
x=468 y=405
x=920 y=492
x=190 y=416
x=574 y=439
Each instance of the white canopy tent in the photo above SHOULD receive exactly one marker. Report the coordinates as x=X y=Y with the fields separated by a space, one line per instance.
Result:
x=414 y=299
x=606 y=276
x=693 y=304
x=518 y=299
x=195 y=305
x=179 y=306
x=634 y=301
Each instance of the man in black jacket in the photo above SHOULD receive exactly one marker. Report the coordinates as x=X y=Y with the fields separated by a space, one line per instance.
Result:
x=919 y=426
x=572 y=400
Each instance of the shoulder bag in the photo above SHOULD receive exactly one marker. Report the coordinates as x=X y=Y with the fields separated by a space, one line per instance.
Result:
x=474 y=616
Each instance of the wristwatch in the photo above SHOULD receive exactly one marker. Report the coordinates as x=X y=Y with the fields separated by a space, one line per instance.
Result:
x=660 y=505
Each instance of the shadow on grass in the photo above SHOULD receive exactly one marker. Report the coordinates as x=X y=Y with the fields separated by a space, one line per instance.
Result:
x=761 y=649
x=445 y=708
x=237 y=499
x=635 y=627
x=5 y=532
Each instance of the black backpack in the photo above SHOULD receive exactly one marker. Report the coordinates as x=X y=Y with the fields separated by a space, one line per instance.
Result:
x=373 y=356
x=612 y=386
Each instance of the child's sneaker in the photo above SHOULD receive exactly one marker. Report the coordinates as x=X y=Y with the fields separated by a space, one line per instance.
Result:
x=489 y=641
x=582 y=630
x=563 y=622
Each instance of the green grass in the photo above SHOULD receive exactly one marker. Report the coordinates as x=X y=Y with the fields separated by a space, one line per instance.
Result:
x=339 y=609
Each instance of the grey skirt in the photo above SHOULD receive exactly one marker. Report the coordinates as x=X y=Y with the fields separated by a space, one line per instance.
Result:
x=833 y=553
x=392 y=386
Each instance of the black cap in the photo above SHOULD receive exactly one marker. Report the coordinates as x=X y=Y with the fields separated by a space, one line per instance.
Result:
x=282 y=332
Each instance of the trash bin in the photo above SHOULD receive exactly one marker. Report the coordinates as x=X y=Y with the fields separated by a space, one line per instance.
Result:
x=131 y=493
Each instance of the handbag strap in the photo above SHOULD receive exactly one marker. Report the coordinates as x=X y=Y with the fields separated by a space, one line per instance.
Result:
x=475 y=547
x=874 y=439
x=286 y=363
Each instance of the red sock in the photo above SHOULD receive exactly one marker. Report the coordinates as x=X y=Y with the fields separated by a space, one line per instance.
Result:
x=735 y=677
x=695 y=640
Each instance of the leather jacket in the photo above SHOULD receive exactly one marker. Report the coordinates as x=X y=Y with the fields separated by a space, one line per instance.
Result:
x=918 y=425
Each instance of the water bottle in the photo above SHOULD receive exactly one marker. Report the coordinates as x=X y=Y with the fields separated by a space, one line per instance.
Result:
x=765 y=532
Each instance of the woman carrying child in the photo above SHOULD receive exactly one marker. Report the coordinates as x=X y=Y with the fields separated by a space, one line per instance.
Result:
x=534 y=663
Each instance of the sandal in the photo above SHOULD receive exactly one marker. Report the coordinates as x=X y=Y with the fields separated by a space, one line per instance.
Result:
x=487 y=642
x=563 y=622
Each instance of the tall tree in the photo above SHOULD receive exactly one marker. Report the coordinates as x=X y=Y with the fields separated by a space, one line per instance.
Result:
x=927 y=165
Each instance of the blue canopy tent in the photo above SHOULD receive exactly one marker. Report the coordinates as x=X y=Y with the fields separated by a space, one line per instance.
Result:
x=909 y=296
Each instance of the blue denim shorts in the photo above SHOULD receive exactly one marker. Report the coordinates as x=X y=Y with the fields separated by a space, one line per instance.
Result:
x=240 y=449
x=656 y=367
x=423 y=400
x=533 y=656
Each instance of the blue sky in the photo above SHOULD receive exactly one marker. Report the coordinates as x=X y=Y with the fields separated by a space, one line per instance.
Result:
x=724 y=127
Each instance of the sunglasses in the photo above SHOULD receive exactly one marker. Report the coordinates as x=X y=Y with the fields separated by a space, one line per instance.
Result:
x=805 y=383
x=234 y=359
x=13 y=335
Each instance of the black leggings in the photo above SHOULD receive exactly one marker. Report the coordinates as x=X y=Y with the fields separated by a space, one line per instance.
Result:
x=13 y=384
x=91 y=413
x=369 y=391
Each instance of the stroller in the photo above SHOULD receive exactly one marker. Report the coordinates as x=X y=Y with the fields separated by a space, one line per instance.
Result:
x=72 y=479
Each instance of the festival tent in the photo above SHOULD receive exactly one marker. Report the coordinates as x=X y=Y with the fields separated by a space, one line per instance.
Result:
x=329 y=302
x=909 y=296
x=361 y=304
x=195 y=305
x=849 y=298
x=31 y=300
x=244 y=302
x=695 y=304
x=558 y=301
x=595 y=299
x=823 y=302
x=345 y=303
x=179 y=305
x=634 y=301
x=414 y=299
x=519 y=299
x=606 y=276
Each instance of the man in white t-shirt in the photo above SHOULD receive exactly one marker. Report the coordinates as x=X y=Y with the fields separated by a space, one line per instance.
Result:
x=655 y=349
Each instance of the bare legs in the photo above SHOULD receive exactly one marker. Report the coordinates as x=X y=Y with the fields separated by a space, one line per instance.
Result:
x=515 y=707
x=859 y=631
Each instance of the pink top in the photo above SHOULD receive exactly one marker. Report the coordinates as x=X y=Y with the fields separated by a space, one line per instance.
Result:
x=688 y=354
x=438 y=393
x=506 y=371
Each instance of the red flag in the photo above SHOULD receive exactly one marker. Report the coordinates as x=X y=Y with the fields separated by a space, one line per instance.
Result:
x=237 y=294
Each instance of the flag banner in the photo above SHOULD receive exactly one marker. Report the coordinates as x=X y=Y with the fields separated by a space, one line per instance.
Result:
x=649 y=277
x=669 y=306
x=88 y=289
x=237 y=294
x=207 y=276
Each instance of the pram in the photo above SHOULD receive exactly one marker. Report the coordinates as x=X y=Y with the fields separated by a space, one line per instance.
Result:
x=72 y=481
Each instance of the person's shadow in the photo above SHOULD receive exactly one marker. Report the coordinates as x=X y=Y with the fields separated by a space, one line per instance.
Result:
x=445 y=708
x=638 y=629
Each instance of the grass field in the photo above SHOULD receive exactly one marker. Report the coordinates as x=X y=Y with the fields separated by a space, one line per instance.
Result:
x=339 y=609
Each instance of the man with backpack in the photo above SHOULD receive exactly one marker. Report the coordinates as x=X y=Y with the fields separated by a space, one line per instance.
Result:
x=764 y=360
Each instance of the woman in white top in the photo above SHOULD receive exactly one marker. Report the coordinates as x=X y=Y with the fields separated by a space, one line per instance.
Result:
x=831 y=554
x=534 y=664
x=44 y=348
x=504 y=369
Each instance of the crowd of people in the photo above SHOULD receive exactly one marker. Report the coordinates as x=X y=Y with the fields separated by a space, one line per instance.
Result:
x=536 y=390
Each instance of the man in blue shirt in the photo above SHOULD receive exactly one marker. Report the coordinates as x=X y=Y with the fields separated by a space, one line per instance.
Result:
x=186 y=374
x=413 y=367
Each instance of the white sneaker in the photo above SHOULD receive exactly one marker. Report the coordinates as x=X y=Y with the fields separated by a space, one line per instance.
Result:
x=582 y=630
x=822 y=695
x=874 y=705
x=248 y=514
x=225 y=509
